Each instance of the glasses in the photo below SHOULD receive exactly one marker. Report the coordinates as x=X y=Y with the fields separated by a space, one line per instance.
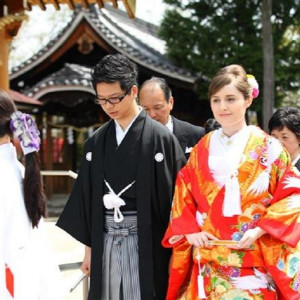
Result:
x=112 y=100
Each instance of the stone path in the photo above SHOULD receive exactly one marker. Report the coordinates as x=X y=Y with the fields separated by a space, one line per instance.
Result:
x=66 y=250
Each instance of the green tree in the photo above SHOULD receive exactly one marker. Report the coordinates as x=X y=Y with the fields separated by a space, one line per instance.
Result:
x=204 y=35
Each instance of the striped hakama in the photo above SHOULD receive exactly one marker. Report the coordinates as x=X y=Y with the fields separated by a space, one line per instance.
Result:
x=120 y=279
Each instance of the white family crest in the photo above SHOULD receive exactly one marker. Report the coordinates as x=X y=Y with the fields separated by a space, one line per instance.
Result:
x=88 y=156
x=159 y=157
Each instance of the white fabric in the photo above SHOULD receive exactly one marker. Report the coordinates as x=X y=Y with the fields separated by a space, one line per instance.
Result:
x=120 y=133
x=188 y=149
x=170 y=125
x=296 y=159
x=225 y=156
x=22 y=248
x=199 y=218
x=253 y=282
x=291 y=182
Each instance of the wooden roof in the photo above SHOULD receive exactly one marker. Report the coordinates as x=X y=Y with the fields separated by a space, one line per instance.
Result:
x=114 y=32
x=12 y=14
x=25 y=103
x=8 y=7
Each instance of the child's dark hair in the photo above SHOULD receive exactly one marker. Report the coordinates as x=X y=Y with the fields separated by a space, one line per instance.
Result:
x=34 y=197
x=210 y=125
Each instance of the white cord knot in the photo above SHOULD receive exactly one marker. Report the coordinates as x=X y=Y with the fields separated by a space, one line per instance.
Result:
x=112 y=200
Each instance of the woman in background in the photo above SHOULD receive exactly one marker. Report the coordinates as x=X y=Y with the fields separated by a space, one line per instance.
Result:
x=27 y=269
x=284 y=125
x=235 y=222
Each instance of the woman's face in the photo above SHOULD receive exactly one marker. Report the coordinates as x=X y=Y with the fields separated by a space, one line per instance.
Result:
x=288 y=139
x=229 y=107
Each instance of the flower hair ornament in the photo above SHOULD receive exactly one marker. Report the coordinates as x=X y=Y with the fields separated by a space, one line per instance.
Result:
x=254 y=84
x=24 y=127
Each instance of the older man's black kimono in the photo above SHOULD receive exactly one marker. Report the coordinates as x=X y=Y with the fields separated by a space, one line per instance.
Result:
x=157 y=159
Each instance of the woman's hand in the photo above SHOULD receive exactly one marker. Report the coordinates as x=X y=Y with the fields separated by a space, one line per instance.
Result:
x=250 y=236
x=200 y=239
x=86 y=264
x=175 y=238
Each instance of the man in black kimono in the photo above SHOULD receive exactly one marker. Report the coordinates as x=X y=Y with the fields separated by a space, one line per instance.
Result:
x=134 y=159
x=156 y=98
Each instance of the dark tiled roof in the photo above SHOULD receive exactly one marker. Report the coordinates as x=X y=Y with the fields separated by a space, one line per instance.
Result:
x=71 y=77
x=45 y=52
x=135 y=38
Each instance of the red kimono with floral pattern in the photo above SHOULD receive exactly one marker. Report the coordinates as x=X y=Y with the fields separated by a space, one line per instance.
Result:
x=229 y=273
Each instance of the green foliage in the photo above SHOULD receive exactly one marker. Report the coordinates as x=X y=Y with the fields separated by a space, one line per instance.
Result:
x=204 y=35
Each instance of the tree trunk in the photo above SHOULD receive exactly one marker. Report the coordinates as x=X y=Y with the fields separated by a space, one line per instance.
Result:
x=268 y=62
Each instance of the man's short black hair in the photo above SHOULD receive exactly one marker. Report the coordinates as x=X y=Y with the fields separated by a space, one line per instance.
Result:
x=288 y=117
x=115 y=68
x=162 y=83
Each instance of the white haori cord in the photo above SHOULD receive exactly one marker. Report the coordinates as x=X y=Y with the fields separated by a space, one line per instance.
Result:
x=113 y=201
x=200 y=280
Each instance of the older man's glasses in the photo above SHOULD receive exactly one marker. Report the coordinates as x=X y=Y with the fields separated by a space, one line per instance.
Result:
x=111 y=100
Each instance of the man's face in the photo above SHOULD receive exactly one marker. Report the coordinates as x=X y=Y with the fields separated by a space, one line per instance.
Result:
x=118 y=111
x=153 y=100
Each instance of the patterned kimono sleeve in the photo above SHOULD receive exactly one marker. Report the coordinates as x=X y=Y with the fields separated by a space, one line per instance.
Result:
x=183 y=221
x=183 y=212
x=282 y=218
x=281 y=221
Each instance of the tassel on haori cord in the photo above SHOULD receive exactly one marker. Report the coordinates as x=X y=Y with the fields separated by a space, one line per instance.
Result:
x=200 y=279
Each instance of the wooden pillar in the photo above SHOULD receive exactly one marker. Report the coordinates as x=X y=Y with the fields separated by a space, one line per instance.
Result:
x=4 y=53
x=9 y=27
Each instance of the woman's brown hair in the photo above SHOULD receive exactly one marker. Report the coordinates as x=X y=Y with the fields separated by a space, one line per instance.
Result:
x=227 y=75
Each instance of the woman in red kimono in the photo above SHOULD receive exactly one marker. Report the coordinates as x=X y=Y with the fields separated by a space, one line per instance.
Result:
x=235 y=222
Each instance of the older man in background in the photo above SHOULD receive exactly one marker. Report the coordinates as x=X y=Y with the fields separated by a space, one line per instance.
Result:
x=155 y=97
